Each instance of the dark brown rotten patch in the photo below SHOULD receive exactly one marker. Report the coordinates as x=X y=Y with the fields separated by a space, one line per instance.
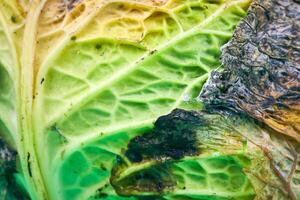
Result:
x=155 y=179
x=173 y=136
x=262 y=68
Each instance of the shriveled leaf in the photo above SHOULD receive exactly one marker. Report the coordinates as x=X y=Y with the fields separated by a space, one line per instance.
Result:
x=261 y=78
x=262 y=64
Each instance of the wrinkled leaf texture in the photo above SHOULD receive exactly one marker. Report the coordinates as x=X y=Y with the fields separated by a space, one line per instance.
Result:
x=251 y=115
x=79 y=79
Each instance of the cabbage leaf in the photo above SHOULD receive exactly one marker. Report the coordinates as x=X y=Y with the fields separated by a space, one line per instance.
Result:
x=79 y=79
x=250 y=117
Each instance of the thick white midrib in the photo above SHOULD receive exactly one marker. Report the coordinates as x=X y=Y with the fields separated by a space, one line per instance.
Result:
x=81 y=100
x=23 y=143
x=26 y=91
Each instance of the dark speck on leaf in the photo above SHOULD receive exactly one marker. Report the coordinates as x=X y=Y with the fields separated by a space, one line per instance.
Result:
x=153 y=51
x=29 y=164
x=103 y=167
x=102 y=195
x=121 y=6
x=71 y=4
x=98 y=46
x=73 y=38
x=13 y=19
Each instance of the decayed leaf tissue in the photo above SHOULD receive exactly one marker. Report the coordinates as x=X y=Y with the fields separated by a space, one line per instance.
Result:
x=149 y=99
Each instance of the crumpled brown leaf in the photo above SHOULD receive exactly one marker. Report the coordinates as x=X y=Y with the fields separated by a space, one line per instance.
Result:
x=262 y=67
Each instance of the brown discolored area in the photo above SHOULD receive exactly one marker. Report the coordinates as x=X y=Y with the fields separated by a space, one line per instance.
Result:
x=262 y=68
x=155 y=179
x=174 y=136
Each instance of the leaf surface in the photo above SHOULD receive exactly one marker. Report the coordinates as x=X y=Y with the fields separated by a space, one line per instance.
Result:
x=79 y=79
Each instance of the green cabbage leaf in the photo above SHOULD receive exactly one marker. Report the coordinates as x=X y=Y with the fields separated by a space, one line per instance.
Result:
x=85 y=89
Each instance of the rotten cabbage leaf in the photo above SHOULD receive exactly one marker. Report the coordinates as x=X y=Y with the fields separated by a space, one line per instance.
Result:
x=80 y=78
x=250 y=123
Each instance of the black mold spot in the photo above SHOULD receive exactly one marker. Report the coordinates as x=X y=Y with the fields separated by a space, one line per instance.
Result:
x=173 y=136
